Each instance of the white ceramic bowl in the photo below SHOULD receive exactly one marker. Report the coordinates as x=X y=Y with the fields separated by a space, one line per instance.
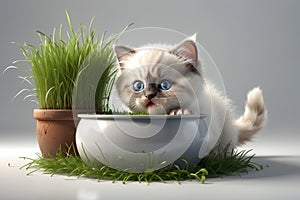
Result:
x=140 y=143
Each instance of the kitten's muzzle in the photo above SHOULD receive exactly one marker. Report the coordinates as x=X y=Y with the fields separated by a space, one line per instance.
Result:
x=151 y=91
x=150 y=96
x=150 y=104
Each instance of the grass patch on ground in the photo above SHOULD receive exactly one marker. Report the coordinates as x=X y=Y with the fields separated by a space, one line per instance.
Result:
x=220 y=164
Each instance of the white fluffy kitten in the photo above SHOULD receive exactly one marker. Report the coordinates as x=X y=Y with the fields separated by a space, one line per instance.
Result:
x=169 y=80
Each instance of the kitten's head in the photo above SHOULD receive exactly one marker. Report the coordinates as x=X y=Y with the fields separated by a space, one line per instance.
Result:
x=158 y=80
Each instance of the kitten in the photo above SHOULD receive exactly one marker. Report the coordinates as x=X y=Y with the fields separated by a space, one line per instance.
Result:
x=169 y=80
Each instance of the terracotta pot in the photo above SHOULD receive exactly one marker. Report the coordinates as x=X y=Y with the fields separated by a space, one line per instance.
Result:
x=55 y=129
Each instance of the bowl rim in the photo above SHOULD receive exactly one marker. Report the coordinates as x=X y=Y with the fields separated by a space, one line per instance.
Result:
x=155 y=117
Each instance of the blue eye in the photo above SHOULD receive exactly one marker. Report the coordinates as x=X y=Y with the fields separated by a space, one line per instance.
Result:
x=138 y=86
x=165 y=85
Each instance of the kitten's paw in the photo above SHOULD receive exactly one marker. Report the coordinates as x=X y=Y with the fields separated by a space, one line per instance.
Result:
x=181 y=112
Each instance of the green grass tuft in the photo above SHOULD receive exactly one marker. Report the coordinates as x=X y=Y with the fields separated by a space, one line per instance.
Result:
x=213 y=165
x=226 y=162
x=56 y=63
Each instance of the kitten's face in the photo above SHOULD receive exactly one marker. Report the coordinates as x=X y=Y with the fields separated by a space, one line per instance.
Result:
x=155 y=80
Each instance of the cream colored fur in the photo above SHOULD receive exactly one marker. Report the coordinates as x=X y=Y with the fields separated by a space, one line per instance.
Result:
x=190 y=93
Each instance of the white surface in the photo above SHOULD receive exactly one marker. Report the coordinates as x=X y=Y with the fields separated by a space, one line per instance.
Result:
x=281 y=180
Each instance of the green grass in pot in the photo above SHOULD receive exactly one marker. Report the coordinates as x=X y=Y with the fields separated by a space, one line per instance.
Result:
x=56 y=63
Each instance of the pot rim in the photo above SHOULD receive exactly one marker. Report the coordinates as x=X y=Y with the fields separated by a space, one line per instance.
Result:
x=130 y=117
x=57 y=114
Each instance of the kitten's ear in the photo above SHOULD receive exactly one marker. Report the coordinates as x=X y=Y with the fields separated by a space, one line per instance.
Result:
x=123 y=53
x=188 y=50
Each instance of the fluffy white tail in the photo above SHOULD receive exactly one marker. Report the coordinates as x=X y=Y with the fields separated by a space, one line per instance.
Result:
x=253 y=118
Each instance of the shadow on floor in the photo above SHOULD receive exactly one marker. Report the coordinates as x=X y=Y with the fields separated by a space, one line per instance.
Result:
x=275 y=166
